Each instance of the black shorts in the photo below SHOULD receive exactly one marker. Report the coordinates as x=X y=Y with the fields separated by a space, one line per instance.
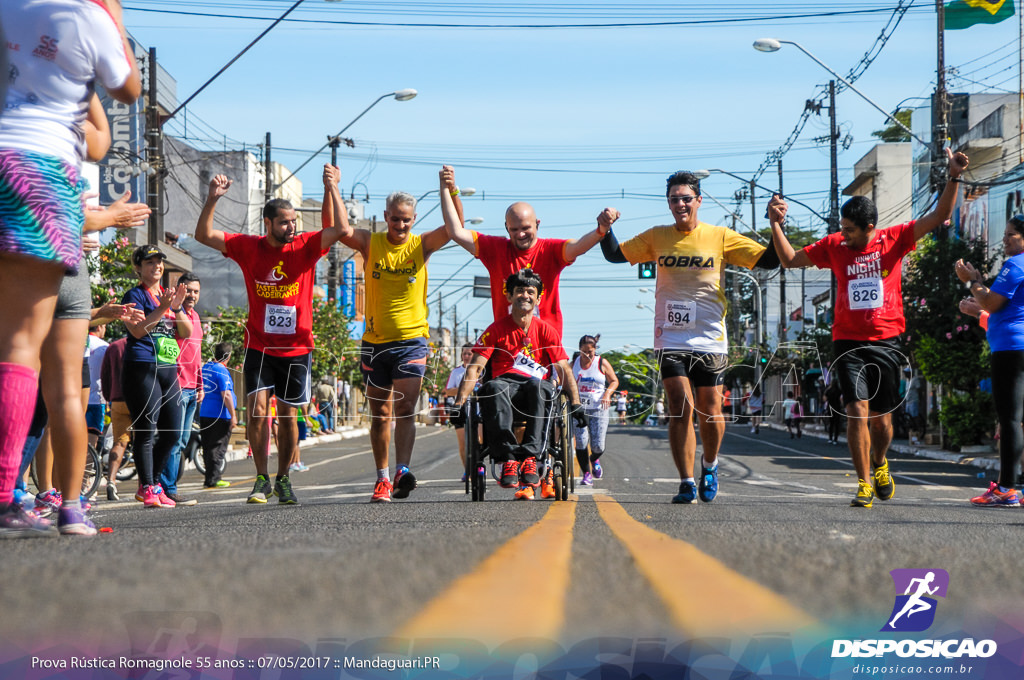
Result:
x=286 y=377
x=385 y=362
x=870 y=370
x=703 y=369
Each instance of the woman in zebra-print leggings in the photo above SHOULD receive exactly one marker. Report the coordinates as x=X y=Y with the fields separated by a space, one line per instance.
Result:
x=57 y=50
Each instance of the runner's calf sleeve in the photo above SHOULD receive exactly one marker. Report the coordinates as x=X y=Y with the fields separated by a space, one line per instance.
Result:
x=18 y=387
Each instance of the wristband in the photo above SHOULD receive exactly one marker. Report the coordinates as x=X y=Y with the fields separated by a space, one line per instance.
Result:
x=454 y=192
x=176 y=311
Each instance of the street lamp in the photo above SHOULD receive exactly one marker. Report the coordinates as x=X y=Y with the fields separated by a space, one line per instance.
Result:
x=775 y=44
x=641 y=305
x=333 y=141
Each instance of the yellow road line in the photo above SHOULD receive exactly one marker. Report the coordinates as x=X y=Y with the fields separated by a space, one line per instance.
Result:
x=703 y=596
x=536 y=562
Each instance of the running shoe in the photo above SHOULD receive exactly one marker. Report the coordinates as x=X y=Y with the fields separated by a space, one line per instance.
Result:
x=181 y=500
x=298 y=467
x=48 y=502
x=884 y=486
x=708 y=487
x=994 y=498
x=150 y=498
x=165 y=500
x=588 y=479
x=528 y=473
x=547 y=485
x=381 y=491
x=687 y=493
x=865 y=495
x=596 y=467
x=73 y=521
x=219 y=484
x=112 y=493
x=139 y=496
x=260 y=491
x=464 y=477
x=284 y=493
x=17 y=522
x=523 y=493
x=509 y=474
x=24 y=498
x=405 y=482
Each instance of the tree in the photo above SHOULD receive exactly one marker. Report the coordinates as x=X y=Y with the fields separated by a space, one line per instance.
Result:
x=948 y=347
x=893 y=132
x=111 y=275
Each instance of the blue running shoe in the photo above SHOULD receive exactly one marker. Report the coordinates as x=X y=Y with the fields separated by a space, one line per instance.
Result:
x=597 y=469
x=708 y=483
x=687 y=493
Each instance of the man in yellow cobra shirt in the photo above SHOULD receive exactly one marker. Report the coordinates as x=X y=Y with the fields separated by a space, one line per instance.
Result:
x=689 y=331
x=394 y=348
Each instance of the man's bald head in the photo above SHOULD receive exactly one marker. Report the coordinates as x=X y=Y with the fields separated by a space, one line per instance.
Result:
x=521 y=223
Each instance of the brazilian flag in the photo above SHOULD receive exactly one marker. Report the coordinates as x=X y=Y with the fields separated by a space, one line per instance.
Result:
x=967 y=13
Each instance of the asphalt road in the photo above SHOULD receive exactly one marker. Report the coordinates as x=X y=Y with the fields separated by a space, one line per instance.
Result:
x=779 y=550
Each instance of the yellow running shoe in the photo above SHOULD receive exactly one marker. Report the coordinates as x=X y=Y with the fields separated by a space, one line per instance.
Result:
x=865 y=495
x=884 y=486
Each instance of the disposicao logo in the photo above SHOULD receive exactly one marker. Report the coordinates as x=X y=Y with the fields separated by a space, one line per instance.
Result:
x=912 y=612
x=916 y=590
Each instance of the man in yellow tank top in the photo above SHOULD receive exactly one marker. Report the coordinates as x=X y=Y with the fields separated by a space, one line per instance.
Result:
x=394 y=349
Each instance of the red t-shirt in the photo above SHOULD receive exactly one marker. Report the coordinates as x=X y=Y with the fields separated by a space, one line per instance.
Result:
x=511 y=350
x=869 y=297
x=190 y=360
x=502 y=259
x=279 y=282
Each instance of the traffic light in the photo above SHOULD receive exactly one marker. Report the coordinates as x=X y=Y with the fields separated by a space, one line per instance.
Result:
x=647 y=270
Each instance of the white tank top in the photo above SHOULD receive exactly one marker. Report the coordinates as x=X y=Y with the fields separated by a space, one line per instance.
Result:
x=591 y=382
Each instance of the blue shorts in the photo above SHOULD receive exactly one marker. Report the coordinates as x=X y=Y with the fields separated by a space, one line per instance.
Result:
x=384 y=363
x=94 y=417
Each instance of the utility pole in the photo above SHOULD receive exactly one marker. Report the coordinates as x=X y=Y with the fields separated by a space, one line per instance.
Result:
x=940 y=103
x=268 y=174
x=332 y=254
x=762 y=307
x=782 y=278
x=833 y=192
x=154 y=154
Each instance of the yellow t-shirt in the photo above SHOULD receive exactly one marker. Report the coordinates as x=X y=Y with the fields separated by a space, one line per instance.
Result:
x=690 y=304
x=396 y=290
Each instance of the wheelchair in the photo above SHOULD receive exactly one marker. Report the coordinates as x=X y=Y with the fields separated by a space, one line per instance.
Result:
x=557 y=448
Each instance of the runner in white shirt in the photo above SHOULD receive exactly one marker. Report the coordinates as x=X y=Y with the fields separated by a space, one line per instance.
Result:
x=57 y=51
x=596 y=381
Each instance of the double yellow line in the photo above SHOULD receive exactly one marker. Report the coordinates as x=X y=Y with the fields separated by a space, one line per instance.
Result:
x=702 y=595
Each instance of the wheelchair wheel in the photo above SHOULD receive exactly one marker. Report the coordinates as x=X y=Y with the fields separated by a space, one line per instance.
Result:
x=93 y=473
x=565 y=446
x=476 y=472
x=127 y=469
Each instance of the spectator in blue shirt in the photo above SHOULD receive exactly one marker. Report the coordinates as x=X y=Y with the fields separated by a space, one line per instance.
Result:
x=217 y=413
x=1004 y=300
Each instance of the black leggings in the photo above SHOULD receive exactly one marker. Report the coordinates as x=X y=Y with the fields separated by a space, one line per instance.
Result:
x=1008 y=393
x=153 y=397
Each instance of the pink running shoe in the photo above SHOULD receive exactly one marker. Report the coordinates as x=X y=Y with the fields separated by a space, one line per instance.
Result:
x=165 y=500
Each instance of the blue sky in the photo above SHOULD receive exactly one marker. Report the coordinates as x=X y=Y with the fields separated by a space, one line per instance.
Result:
x=569 y=119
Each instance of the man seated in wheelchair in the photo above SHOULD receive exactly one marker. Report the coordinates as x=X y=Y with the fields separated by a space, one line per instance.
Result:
x=522 y=349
